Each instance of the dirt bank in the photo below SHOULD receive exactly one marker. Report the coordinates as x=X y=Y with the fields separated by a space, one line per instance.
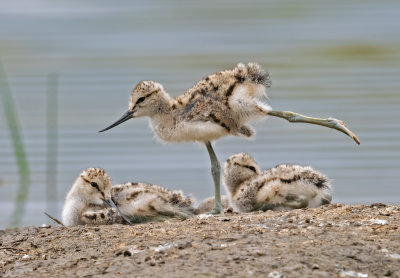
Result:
x=331 y=241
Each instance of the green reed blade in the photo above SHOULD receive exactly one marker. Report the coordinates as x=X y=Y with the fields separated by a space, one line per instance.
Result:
x=19 y=150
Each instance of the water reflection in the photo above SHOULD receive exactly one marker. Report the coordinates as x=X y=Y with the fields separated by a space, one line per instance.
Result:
x=325 y=59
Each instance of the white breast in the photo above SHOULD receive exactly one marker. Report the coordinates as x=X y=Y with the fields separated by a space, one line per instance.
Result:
x=71 y=213
x=188 y=131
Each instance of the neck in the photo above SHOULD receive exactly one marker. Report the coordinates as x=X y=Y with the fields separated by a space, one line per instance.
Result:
x=163 y=126
x=162 y=118
x=162 y=105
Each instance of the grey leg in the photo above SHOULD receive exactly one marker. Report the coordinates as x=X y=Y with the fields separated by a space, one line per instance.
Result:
x=265 y=207
x=295 y=202
x=326 y=199
x=329 y=122
x=216 y=174
x=161 y=216
x=174 y=214
x=292 y=201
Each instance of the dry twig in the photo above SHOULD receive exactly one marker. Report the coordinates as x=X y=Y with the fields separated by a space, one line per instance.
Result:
x=54 y=219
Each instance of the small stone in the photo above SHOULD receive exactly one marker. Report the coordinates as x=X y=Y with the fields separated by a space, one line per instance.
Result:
x=152 y=262
x=388 y=273
x=185 y=245
x=321 y=274
x=377 y=205
x=275 y=274
x=259 y=253
x=127 y=253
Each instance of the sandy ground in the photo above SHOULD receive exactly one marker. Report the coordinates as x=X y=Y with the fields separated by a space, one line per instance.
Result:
x=330 y=241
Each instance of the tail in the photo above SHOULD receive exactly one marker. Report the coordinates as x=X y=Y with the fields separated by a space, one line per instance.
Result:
x=253 y=73
x=320 y=181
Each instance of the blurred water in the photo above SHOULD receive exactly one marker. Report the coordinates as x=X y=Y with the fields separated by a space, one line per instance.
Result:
x=336 y=58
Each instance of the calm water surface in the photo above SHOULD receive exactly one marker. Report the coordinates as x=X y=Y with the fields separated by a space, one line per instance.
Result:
x=337 y=58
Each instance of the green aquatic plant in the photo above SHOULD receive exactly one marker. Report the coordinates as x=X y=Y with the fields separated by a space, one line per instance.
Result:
x=51 y=142
x=359 y=51
x=19 y=150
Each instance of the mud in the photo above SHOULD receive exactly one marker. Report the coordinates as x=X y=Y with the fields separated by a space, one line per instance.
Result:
x=330 y=241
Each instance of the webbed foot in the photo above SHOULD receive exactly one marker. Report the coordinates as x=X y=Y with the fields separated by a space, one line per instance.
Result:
x=218 y=210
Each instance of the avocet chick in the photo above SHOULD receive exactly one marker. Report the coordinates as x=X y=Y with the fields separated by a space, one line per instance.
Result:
x=222 y=104
x=93 y=200
x=219 y=105
x=143 y=202
x=285 y=186
x=89 y=199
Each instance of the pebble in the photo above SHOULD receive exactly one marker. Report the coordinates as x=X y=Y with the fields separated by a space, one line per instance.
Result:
x=321 y=274
x=259 y=253
x=275 y=274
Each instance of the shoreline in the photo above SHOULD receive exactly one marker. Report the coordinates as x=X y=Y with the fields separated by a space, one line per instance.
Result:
x=330 y=241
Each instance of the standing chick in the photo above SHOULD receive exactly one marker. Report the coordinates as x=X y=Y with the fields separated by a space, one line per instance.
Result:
x=221 y=104
x=285 y=186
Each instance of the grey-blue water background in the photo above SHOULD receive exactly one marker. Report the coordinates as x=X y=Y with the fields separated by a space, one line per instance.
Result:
x=330 y=58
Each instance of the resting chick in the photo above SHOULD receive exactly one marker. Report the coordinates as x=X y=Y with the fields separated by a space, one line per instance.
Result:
x=89 y=199
x=285 y=186
x=93 y=200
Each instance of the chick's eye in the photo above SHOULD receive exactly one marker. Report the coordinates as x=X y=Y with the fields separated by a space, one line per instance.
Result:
x=94 y=184
x=251 y=168
x=141 y=99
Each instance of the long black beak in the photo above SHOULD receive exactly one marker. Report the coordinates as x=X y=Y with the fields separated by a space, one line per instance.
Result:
x=111 y=204
x=124 y=118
